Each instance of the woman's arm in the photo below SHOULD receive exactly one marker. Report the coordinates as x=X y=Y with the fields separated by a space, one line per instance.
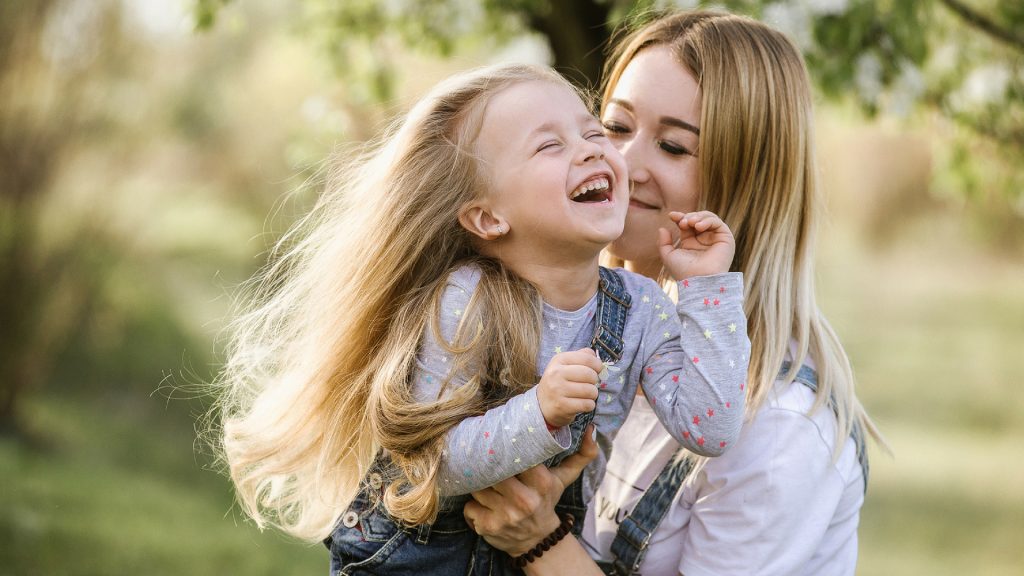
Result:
x=517 y=513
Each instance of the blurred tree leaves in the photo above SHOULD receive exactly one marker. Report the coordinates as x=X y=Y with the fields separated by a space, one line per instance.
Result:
x=136 y=166
x=963 y=60
x=43 y=289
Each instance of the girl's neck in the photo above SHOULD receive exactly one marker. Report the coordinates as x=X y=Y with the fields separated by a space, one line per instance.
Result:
x=564 y=286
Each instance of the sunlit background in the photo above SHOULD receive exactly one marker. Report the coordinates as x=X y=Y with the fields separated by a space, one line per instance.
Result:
x=152 y=151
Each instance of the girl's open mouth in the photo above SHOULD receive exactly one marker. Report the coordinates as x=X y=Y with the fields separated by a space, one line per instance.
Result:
x=593 y=191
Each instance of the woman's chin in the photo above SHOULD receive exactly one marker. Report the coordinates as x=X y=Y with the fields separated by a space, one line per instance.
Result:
x=635 y=247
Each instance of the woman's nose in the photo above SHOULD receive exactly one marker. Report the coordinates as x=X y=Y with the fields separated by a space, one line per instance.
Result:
x=636 y=160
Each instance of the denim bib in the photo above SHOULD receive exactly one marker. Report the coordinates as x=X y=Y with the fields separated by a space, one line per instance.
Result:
x=634 y=534
x=368 y=541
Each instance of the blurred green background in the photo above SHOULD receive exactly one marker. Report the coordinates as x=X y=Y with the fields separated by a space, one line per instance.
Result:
x=152 y=151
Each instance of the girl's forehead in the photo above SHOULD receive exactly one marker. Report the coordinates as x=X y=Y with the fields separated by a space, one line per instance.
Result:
x=524 y=106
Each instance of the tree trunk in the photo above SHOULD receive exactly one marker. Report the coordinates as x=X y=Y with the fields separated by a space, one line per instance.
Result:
x=577 y=31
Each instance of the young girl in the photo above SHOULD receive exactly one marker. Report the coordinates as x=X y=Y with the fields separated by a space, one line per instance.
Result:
x=392 y=361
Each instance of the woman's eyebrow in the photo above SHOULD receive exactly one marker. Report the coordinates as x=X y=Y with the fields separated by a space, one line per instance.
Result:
x=621 y=103
x=666 y=120
x=670 y=121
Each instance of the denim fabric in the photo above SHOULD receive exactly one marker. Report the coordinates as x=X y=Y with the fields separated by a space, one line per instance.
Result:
x=612 y=306
x=376 y=544
x=634 y=533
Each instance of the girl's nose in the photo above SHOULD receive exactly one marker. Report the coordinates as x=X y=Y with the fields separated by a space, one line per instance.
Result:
x=591 y=151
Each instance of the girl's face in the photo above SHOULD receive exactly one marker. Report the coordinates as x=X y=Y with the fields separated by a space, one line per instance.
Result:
x=653 y=118
x=554 y=176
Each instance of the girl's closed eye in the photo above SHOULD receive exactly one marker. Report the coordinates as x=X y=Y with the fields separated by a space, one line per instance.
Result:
x=548 y=145
x=594 y=134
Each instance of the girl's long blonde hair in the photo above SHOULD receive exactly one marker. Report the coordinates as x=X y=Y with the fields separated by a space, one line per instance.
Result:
x=758 y=172
x=319 y=368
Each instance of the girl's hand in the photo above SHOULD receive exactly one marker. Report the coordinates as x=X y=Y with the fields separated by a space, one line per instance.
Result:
x=516 y=513
x=706 y=245
x=569 y=386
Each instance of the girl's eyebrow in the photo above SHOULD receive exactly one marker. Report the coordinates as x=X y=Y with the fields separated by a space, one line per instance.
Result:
x=666 y=120
x=553 y=127
x=545 y=127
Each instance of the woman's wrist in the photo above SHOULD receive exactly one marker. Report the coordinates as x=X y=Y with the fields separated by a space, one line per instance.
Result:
x=566 y=557
x=560 y=531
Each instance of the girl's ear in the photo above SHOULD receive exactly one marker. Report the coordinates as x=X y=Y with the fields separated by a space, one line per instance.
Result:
x=479 y=220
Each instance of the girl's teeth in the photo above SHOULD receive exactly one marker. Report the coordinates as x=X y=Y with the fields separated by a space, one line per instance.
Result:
x=595 y=185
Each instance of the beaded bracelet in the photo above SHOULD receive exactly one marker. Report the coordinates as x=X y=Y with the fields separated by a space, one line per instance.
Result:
x=544 y=545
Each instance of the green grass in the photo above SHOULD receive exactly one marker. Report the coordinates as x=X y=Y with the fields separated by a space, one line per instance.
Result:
x=120 y=491
x=935 y=331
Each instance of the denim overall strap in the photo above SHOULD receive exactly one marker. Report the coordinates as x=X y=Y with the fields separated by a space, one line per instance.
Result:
x=809 y=378
x=610 y=321
x=613 y=302
x=634 y=533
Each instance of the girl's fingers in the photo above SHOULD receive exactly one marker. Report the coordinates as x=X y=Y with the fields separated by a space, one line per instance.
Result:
x=582 y=357
x=664 y=238
x=579 y=405
x=584 y=375
x=582 y=391
x=707 y=223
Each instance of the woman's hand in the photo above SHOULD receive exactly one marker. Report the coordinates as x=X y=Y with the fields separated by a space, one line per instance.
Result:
x=516 y=513
x=706 y=245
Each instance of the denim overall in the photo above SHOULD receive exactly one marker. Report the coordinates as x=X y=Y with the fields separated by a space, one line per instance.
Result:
x=634 y=534
x=369 y=541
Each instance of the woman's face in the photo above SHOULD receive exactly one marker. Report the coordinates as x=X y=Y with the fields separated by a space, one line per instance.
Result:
x=653 y=118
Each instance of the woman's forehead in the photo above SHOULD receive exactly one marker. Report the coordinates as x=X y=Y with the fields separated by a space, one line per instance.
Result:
x=654 y=81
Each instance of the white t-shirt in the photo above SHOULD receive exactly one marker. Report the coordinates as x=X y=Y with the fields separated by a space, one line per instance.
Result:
x=773 y=504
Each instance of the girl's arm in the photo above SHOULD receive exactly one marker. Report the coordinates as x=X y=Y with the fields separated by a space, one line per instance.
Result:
x=695 y=373
x=485 y=449
x=696 y=356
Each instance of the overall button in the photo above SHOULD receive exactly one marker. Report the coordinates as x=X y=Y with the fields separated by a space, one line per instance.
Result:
x=375 y=481
x=350 y=519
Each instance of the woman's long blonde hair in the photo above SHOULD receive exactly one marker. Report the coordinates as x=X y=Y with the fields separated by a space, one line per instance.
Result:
x=320 y=363
x=758 y=172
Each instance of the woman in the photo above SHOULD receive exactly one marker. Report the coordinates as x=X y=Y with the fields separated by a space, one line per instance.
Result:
x=714 y=111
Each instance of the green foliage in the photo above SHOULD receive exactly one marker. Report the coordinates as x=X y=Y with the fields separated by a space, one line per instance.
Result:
x=205 y=12
x=894 y=57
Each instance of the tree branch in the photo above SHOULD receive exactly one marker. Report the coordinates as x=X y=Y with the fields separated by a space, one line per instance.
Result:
x=985 y=24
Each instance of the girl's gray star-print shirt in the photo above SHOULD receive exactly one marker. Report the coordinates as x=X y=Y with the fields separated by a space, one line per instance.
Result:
x=690 y=358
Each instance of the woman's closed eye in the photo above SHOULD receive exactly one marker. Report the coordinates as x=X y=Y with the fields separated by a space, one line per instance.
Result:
x=673 y=148
x=615 y=129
